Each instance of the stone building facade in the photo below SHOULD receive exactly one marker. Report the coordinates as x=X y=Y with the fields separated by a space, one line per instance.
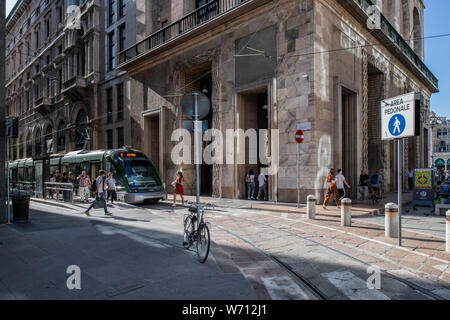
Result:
x=264 y=64
x=317 y=65
x=61 y=77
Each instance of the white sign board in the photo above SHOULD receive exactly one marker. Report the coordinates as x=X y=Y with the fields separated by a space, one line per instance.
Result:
x=398 y=117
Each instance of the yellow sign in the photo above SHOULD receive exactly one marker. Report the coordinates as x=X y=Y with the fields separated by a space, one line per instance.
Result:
x=422 y=179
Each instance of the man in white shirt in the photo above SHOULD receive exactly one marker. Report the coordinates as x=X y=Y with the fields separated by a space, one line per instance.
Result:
x=340 y=184
x=262 y=186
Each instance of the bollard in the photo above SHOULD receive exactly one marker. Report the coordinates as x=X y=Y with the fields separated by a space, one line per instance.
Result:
x=391 y=220
x=346 y=212
x=447 y=232
x=311 y=207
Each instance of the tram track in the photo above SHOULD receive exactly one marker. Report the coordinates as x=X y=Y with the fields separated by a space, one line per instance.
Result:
x=302 y=279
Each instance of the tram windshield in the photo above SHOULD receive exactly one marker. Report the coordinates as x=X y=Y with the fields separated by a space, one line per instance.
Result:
x=140 y=172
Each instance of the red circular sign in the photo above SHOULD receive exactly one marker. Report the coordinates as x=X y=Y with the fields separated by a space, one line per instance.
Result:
x=299 y=136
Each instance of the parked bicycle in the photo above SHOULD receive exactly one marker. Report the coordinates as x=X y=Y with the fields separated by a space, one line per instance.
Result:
x=196 y=230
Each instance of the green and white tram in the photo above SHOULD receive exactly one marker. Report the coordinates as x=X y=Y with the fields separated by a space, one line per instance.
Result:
x=137 y=178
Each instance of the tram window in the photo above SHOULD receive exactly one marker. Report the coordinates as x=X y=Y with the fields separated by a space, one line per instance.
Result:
x=65 y=169
x=85 y=167
x=110 y=167
x=53 y=169
x=20 y=174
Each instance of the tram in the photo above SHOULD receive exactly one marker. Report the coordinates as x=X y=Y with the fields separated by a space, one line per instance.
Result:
x=137 y=178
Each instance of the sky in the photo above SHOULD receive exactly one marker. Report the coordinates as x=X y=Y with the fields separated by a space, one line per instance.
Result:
x=437 y=50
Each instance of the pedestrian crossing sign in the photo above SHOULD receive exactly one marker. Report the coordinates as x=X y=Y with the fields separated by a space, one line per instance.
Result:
x=400 y=116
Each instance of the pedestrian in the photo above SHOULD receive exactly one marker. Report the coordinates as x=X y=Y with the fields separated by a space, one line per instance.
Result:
x=84 y=184
x=410 y=175
x=250 y=180
x=375 y=182
x=341 y=183
x=100 y=194
x=364 y=180
x=262 y=186
x=331 y=190
x=111 y=185
x=178 y=184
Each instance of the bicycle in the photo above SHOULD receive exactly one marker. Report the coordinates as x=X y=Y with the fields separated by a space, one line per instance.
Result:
x=196 y=230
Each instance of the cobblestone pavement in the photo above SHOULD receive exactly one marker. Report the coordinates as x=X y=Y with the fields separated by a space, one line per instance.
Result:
x=135 y=254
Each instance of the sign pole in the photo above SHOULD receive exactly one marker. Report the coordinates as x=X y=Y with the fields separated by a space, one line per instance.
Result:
x=196 y=149
x=298 y=175
x=400 y=188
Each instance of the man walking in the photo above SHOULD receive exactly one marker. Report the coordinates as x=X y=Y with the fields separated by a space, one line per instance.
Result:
x=341 y=183
x=100 y=193
x=331 y=190
x=111 y=184
x=261 y=186
x=410 y=174
x=84 y=183
x=364 y=180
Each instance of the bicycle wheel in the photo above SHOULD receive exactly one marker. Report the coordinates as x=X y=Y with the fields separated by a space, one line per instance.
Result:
x=188 y=236
x=203 y=242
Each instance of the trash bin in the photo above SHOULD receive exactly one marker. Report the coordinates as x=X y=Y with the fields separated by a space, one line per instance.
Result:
x=21 y=206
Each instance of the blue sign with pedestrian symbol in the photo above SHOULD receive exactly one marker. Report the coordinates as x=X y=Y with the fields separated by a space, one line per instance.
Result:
x=397 y=124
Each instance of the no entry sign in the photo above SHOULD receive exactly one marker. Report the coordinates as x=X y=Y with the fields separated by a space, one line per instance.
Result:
x=299 y=136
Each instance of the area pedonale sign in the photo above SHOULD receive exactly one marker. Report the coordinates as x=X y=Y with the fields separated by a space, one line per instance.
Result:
x=400 y=116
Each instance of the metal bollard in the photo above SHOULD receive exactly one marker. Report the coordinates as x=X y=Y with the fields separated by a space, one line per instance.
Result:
x=346 y=212
x=391 y=220
x=311 y=207
x=447 y=232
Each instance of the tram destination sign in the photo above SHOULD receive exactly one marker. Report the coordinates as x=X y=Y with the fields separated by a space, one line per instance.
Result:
x=400 y=116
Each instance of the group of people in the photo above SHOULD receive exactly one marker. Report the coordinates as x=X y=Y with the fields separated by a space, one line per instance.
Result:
x=251 y=187
x=336 y=185
x=99 y=186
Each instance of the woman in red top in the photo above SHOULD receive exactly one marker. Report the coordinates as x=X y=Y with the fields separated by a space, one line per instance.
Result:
x=178 y=184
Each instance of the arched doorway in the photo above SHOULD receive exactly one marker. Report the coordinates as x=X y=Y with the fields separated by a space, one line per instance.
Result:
x=80 y=127
x=38 y=143
x=29 y=146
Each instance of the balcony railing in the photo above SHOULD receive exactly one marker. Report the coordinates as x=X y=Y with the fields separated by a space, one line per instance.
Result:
x=395 y=37
x=189 y=22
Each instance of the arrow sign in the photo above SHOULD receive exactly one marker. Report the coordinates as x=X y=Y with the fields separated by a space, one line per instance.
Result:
x=299 y=136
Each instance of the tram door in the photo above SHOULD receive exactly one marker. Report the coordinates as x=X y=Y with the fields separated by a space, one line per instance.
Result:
x=39 y=177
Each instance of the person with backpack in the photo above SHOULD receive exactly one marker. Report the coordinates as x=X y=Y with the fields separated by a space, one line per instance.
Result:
x=250 y=180
x=98 y=187
x=375 y=183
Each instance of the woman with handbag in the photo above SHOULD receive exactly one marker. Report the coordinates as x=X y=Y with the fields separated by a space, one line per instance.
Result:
x=178 y=185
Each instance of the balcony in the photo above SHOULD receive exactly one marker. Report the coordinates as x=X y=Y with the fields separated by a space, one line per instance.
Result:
x=213 y=14
x=74 y=88
x=393 y=41
x=43 y=105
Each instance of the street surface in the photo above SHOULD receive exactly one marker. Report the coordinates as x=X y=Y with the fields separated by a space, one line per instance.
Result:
x=255 y=254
